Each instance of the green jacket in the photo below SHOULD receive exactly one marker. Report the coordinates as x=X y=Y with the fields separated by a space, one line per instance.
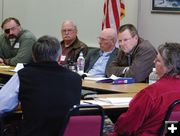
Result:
x=20 y=51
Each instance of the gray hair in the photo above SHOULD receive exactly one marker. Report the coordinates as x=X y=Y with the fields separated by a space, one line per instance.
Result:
x=170 y=53
x=46 y=49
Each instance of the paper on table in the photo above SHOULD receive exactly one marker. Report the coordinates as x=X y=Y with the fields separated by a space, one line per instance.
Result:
x=115 y=100
x=18 y=67
x=98 y=78
x=95 y=78
x=94 y=102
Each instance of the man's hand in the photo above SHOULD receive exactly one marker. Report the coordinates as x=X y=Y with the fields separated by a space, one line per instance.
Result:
x=1 y=60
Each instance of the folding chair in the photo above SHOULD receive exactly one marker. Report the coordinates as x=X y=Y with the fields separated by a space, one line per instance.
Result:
x=84 y=120
x=172 y=114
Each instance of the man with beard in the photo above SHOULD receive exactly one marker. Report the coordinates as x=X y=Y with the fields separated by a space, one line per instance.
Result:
x=15 y=43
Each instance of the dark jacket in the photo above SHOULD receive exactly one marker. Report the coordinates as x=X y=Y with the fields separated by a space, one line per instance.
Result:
x=93 y=56
x=140 y=62
x=47 y=91
x=75 y=48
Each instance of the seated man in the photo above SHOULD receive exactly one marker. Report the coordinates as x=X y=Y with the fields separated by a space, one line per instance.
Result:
x=71 y=45
x=97 y=60
x=135 y=57
x=148 y=108
x=15 y=43
x=45 y=89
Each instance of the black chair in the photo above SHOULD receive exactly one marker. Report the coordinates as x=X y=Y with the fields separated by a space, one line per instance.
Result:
x=84 y=120
x=172 y=114
x=10 y=123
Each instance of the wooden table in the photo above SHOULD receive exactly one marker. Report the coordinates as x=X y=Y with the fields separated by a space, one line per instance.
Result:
x=110 y=88
x=5 y=73
x=6 y=70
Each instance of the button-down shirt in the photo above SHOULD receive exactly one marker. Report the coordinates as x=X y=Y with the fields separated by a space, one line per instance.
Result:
x=9 y=94
x=98 y=68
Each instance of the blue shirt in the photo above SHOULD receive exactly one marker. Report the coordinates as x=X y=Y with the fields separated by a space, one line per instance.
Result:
x=9 y=94
x=99 y=67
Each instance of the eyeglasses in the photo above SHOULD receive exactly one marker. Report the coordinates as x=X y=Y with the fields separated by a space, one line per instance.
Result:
x=67 y=30
x=125 y=40
x=7 y=31
x=103 y=39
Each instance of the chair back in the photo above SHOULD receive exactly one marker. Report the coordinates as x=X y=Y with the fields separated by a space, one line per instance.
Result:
x=84 y=120
x=172 y=114
x=1 y=125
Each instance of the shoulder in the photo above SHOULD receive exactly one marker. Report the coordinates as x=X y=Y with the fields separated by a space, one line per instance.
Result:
x=145 y=44
x=93 y=50
x=27 y=34
x=145 y=47
x=115 y=51
x=78 y=43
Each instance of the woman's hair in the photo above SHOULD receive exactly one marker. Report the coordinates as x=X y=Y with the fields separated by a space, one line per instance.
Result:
x=170 y=53
x=46 y=49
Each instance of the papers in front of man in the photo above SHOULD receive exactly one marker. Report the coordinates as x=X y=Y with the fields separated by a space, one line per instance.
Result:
x=121 y=101
x=18 y=67
x=115 y=100
x=112 y=79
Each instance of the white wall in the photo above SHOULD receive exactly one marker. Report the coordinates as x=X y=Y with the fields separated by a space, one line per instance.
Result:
x=45 y=16
x=157 y=28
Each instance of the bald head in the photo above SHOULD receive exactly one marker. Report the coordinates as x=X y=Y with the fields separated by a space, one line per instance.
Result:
x=109 y=33
x=107 y=39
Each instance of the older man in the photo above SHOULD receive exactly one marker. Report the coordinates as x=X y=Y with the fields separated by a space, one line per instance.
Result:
x=15 y=43
x=71 y=45
x=97 y=60
x=135 y=57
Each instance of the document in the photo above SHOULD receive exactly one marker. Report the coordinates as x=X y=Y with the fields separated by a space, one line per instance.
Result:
x=121 y=101
x=115 y=100
x=18 y=67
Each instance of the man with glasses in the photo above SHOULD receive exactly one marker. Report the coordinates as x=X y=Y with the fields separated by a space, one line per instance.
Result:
x=98 y=59
x=71 y=45
x=15 y=43
x=136 y=56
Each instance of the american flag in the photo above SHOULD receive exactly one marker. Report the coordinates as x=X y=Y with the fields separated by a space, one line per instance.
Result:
x=114 y=11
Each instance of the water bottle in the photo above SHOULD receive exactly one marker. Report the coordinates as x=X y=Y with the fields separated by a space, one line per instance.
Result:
x=80 y=64
x=153 y=77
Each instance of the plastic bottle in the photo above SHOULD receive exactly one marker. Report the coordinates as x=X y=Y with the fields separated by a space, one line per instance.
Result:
x=80 y=64
x=153 y=77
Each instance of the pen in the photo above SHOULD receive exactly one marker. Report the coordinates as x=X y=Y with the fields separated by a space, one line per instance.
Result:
x=87 y=102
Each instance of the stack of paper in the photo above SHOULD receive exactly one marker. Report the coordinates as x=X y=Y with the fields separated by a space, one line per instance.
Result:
x=121 y=101
x=116 y=100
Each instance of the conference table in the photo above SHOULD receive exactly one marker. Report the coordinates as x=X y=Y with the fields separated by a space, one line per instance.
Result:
x=103 y=89
x=110 y=88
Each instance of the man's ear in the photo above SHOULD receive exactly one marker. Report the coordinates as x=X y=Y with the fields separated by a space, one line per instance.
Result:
x=34 y=60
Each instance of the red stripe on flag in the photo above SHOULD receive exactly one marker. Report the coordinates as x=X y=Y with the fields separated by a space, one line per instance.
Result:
x=115 y=13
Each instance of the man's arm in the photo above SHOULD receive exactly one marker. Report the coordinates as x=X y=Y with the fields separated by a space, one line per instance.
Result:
x=131 y=121
x=116 y=66
x=24 y=54
x=142 y=64
x=9 y=94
